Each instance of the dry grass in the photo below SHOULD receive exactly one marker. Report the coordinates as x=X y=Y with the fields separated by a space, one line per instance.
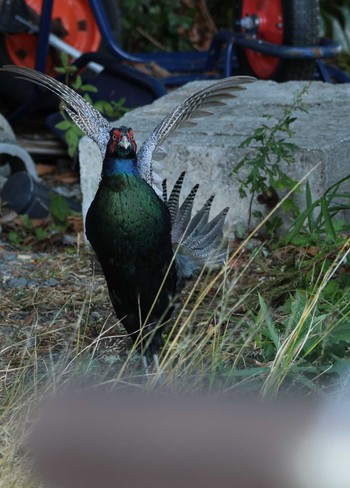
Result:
x=51 y=314
x=75 y=318
x=53 y=334
x=49 y=335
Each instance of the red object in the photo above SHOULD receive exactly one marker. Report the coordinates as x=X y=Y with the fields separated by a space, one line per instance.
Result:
x=78 y=25
x=270 y=28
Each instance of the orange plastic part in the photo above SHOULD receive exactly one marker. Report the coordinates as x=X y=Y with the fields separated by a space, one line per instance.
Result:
x=270 y=18
x=77 y=21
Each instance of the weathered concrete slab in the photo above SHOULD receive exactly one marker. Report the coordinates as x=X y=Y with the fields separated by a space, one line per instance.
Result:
x=208 y=151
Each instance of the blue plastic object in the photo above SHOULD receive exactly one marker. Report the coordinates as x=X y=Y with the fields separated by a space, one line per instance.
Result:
x=43 y=37
x=185 y=66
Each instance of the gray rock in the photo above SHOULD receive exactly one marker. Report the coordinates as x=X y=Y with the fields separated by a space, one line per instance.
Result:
x=50 y=282
x=209 y=150
x=18 y=283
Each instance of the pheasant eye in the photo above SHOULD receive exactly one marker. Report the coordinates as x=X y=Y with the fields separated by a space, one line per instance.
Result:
x=114 y=137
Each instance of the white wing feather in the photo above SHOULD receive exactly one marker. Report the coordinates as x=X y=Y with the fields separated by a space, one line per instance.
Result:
x=87 y=118
x=193 y=107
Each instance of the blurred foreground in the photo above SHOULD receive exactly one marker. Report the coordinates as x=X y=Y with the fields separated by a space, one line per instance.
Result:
x=129 y=439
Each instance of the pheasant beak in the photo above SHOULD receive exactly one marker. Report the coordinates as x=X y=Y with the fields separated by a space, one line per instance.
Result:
x=125 y=143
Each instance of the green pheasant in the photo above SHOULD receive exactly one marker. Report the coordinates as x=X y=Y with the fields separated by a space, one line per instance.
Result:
x=146 y=243
x=129 y=228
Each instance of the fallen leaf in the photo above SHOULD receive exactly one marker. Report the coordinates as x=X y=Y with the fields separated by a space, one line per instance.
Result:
x=28 y=240
x=68 y=177
x=152 y=69
x=211 y=330
x=75 y=223
x=39 y=223
x=312 y=251
x=45 y=169
x=8 y=217
x=29 y=319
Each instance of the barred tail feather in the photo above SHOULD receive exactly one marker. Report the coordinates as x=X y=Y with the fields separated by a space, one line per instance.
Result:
x=206 y=235
x=200 y=220
x=197 y=241
x=183 y=216
x=174 y=198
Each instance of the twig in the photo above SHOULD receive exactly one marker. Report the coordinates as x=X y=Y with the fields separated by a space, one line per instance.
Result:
x=203 y=7
x=319 y=260
x=152 y=39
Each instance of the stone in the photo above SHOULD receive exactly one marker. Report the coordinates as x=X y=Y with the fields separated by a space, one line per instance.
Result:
x=208 y=151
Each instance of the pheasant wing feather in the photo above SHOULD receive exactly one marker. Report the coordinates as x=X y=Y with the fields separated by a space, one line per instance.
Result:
x=87 y=118
x=185 y=114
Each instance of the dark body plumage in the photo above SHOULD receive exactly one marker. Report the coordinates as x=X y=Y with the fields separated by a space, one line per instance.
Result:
x=129 y=228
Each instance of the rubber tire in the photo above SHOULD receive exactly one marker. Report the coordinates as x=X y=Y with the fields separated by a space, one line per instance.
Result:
x=14 y=91
x=301 y=20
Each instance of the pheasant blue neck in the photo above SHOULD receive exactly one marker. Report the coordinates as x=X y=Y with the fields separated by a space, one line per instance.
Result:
x=113 y=166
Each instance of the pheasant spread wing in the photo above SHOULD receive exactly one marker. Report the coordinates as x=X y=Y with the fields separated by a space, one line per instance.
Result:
x=184 y=114
x=88 y=119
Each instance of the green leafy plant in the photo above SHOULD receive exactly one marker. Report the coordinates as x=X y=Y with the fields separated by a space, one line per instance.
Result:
x=321 y=222
x=30 y=233
x=41 y=234
x=265 y=176
x=111 y=109
x=59 y=210
x=27 y=231
x=151 y=26
x=14 y=238
x=335 y=23
x=27 y=221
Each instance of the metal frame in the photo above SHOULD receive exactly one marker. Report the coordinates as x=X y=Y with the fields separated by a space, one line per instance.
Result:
x=193 y=65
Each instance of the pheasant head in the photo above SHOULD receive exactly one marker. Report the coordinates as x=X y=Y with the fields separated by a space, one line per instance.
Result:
x=120 y=153
x=121 y=144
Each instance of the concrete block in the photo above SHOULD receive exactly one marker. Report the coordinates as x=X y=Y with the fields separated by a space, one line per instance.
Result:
x=209 y=150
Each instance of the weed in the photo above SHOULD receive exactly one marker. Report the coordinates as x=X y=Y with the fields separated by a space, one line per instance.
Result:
x=14 y=238
x=42 y=233
x=265 y=176
x=323 y=221
x=59 y=210
x=336 y=22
